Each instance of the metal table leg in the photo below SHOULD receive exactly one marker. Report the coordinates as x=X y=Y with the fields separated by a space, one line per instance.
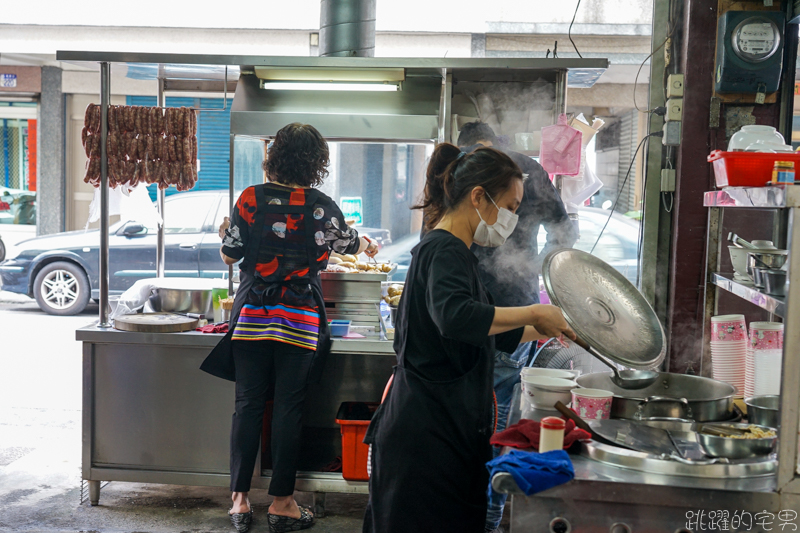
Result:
x=318 y=503
x=94 y=492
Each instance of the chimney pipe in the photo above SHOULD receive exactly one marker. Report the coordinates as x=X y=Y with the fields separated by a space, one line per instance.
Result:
x=347 y=28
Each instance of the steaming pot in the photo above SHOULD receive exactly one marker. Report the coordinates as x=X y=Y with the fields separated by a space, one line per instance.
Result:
x=612 y=316
x=671 y=396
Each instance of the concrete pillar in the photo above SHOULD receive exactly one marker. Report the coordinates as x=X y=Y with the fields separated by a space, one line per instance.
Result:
x=51 y=183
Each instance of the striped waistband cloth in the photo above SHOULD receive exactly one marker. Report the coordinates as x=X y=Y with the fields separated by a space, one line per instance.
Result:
x=293 y=325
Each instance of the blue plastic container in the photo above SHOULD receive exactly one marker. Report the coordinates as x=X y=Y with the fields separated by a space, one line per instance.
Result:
x=340 y=328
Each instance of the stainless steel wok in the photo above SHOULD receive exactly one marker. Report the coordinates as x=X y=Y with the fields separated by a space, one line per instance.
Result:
x=671 y=396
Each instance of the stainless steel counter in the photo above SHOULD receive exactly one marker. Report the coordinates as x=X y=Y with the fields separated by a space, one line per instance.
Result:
x=602 y=495
x=151 y=415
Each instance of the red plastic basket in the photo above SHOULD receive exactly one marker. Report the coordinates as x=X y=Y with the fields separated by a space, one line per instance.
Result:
x=354 y=452
x=746 y=169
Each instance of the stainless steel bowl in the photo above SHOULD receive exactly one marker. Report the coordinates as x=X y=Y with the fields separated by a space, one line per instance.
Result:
x=736 y=448
x=181 y=300
x=772 y=259
x=774 y=282
x=757 y=274
x=763 y=410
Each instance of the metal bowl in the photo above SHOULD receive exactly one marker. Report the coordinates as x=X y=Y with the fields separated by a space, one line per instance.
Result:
x=181 y=300
x=772 y=259
x=731 y=448
x=774 y=282
x=763 y=410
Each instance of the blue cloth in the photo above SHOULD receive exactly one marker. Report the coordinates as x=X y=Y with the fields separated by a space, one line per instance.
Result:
x=534 y=472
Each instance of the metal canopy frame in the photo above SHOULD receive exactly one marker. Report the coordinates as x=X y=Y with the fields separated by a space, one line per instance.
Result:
x=450 y=70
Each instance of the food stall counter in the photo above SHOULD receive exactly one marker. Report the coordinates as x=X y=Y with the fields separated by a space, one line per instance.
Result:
x=611 y=498
x=150 y=415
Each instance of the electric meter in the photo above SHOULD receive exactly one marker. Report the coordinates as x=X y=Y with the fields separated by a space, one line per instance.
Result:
x=756 y=39
x=749 y=51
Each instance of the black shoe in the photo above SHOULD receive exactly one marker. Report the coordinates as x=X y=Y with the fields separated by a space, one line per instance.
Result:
x=241 y=521
x=282 y=524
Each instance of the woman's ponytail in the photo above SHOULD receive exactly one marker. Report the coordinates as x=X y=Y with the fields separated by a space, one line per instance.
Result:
x=439 y=181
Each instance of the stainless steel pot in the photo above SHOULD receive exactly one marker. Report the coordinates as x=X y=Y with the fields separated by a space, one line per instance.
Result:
x=181 y=300
x=763 y=410
x=671 y=396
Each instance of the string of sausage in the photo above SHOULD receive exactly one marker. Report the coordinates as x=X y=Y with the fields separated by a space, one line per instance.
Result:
x=144 y=145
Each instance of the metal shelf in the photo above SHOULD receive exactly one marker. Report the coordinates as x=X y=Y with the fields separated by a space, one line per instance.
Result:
x=773 y=304
x=771 y=197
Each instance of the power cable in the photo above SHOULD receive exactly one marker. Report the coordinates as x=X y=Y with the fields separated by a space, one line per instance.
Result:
x=622 y=188
x=569 y=31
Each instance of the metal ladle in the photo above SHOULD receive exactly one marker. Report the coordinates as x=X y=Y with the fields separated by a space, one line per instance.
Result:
x=624 y=379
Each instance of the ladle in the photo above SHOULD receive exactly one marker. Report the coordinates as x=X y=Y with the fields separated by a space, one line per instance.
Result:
x=624 y=379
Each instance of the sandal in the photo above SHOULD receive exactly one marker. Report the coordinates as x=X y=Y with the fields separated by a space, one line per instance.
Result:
x=241 y=521
x=282 y=524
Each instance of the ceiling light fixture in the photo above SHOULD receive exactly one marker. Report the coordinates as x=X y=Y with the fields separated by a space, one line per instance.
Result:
x=330 y=86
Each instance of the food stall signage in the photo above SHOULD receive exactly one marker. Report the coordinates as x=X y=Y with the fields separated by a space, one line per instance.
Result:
x=8 y=80
x=352 y=209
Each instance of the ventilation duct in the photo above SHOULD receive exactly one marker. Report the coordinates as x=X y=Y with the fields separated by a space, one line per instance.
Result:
x=347 y=28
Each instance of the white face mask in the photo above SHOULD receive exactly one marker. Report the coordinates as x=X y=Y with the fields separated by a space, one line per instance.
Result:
x=491 y=236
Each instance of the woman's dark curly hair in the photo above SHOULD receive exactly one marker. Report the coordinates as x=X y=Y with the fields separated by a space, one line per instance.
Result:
x=298 y=156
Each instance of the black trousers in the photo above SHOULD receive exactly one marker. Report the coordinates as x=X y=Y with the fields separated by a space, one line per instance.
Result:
x=259 y=364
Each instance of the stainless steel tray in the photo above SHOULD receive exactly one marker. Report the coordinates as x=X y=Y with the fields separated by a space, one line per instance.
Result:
x=642 y=462
x=353 y=276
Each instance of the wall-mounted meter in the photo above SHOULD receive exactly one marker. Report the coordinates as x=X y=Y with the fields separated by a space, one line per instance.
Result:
x=749 y=51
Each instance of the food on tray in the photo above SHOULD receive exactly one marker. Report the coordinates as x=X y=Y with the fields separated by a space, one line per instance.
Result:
x=226 y=303
x=750 y=432
x=351 y=264
x=755 y=432
x=395 y=290
x=393 y=294
x=144 y=145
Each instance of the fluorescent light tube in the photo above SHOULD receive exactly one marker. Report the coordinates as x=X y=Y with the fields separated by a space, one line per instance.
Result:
x=317 y=86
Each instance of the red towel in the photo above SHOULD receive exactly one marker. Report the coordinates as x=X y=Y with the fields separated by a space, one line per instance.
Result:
x=525 y=434
x=214 y=328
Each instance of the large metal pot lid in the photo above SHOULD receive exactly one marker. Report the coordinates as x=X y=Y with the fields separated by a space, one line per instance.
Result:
x=604 y=308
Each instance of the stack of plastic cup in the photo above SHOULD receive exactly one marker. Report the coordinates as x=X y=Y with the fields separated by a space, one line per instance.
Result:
x=766 y=343
x=729 y=350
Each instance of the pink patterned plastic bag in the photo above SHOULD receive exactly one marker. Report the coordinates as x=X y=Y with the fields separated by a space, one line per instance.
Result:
x=560 y=151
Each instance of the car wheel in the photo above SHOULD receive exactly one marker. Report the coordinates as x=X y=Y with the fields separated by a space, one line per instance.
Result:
x=2 y=251
x=62 y=288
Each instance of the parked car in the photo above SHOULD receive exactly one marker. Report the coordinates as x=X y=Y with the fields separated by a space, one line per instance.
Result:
x=61 y=271
x=618 y=246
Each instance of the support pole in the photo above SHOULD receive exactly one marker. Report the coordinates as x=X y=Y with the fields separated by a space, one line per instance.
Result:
x=160 y=244
x=230 y=208
x=105 y=97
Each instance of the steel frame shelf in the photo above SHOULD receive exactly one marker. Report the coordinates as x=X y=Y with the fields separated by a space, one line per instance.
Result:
x=772 y=198
x=768 y=302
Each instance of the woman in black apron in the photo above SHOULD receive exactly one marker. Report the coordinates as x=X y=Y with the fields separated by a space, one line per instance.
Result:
x=284 y=232
x=430 y=437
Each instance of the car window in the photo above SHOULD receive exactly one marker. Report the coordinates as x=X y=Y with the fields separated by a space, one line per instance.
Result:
x=187 y=214
x=222 y=212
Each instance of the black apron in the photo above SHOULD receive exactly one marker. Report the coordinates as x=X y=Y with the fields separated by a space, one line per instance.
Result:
x=220 y=363
x=430 y=445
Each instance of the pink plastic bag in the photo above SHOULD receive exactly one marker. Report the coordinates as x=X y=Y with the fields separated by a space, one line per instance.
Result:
x=560 y=152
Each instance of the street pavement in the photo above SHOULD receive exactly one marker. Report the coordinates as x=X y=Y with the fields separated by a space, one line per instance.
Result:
x=40 y=447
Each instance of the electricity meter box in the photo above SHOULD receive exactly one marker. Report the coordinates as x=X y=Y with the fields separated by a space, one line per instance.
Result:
x=749 y=51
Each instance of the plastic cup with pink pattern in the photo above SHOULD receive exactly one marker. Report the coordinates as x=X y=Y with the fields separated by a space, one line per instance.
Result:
x=728 y=328
x=766 y=335
x=592 y=404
